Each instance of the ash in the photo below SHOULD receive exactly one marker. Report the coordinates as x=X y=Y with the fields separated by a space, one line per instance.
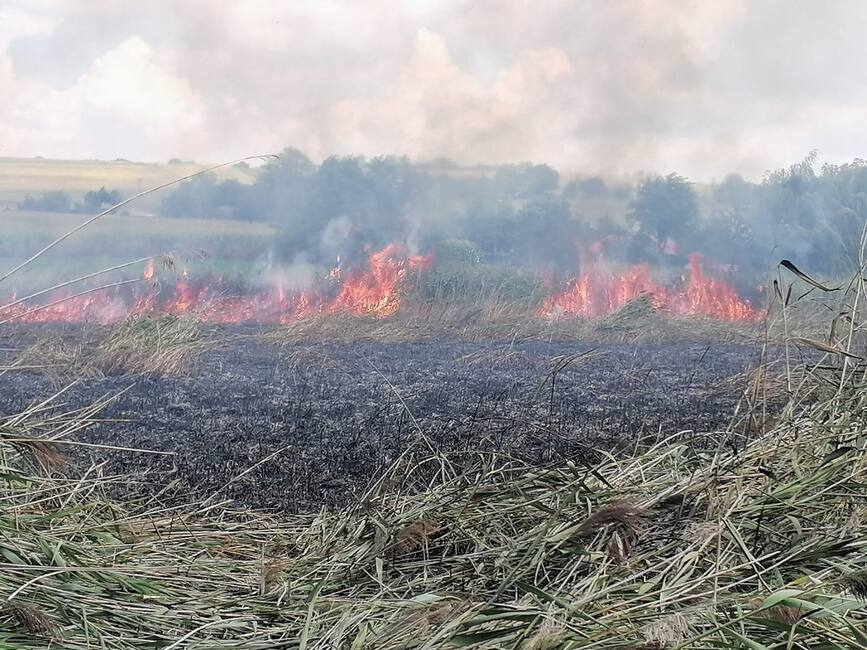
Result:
x=340 y=413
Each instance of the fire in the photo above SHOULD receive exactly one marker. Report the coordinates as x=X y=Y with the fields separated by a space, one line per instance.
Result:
x=376 y=290
x=149 y=270
x=711 y=297
x=599 y=293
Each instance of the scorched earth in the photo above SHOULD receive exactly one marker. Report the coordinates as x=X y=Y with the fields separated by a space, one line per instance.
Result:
x=332 y=415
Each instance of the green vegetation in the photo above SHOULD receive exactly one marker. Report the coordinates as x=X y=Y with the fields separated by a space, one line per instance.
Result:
x=526 y=217
x=59 y=201
x=22 y=176
x=227 y=249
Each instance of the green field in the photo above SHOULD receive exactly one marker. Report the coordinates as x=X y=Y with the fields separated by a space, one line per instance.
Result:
x=222 y=247
x=22 y=176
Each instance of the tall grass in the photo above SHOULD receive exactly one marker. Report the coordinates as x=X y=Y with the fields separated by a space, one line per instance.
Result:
x=139 y=345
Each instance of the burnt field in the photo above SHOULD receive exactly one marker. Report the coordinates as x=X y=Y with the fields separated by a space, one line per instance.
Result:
x=316 y=421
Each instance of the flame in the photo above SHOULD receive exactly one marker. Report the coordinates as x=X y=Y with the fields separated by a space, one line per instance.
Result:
x=599 y=293
x=149 y=270
x=706 y=296
x=377 y=290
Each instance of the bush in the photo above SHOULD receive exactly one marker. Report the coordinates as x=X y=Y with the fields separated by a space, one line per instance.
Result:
x=57 y=201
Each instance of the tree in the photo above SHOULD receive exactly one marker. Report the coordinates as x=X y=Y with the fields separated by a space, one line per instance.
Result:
x=57 y=201
x=491 y=229
x=99 y=200
x=546 y=235
x=193 y=199
x=526 y=181
x=664 y=208
x=734 y=193
x=282 y=187
x=586 y=187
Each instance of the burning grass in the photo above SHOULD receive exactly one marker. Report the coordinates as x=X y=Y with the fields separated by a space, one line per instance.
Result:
x=686 y=541
x=391 y=283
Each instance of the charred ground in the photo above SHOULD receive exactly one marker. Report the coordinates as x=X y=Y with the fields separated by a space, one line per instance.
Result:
x=334 y=414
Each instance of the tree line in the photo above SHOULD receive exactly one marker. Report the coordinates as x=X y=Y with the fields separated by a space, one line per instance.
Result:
x=528 y=215
x=61 y=201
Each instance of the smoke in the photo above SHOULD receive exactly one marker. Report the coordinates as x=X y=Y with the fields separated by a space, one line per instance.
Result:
x=699 y=88
x=300 y=275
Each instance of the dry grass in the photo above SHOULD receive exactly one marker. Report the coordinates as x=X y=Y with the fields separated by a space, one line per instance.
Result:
x=624 y=514
x=31 y=620
x=140 y=345
x=496 y=322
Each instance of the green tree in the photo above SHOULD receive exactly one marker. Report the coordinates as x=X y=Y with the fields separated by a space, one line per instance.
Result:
x=664 y=208
x=56 y=201
x=193 y=199
x=99 y=200
x=526 y=181
x=282 y=188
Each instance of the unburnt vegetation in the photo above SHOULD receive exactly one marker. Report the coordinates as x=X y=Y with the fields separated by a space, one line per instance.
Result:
x=164 y=346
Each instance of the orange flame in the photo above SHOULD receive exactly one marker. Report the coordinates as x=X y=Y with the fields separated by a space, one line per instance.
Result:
x=377 y=291
x=149 y=270
x=599 y=293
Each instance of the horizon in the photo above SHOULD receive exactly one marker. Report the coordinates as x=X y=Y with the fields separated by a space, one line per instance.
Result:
x=255 y=162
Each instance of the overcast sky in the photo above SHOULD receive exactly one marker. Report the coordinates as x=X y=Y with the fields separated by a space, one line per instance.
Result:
x=702 y=88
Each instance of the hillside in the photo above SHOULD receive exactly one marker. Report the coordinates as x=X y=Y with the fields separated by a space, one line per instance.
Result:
x=22 y=176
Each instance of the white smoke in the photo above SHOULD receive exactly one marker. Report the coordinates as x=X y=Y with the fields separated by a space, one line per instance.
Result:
x=700 y=88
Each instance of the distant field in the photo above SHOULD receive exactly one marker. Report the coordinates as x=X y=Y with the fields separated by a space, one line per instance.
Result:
x=222 y=247
x=22 y=176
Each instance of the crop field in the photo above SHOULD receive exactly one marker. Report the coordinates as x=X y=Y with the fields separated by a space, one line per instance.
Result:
x=22 y=176
x=220 y=247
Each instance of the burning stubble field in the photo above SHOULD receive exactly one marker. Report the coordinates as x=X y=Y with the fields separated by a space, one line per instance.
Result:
x=379 y=470
x=536 y=493
x=306 y=423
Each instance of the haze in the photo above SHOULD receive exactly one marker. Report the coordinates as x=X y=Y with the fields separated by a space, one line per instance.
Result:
x=703 y=89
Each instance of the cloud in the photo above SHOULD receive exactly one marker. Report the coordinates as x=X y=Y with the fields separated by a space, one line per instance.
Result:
x=30 y=111
x=127 y=82
x=700 y=88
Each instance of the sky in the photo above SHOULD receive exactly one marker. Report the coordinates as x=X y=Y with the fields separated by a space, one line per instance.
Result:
x=589 y=86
